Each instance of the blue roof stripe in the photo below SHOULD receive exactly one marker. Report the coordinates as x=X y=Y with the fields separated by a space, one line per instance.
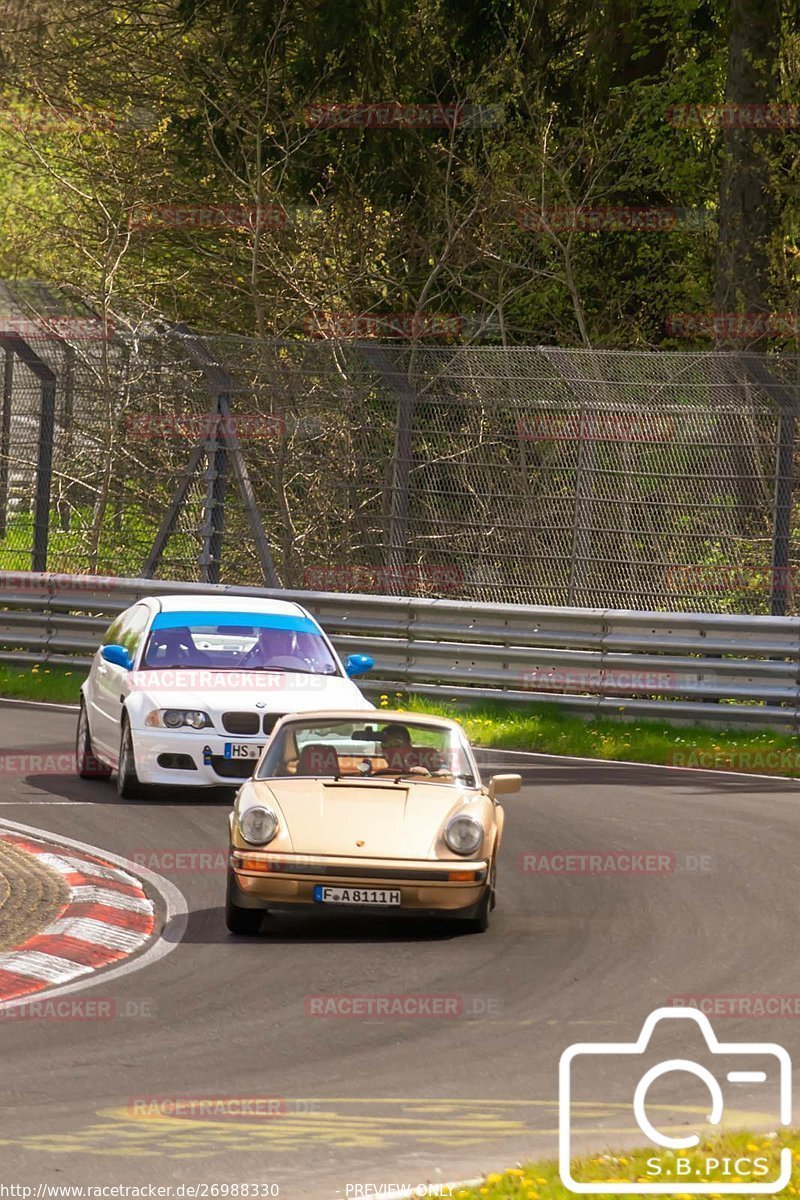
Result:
x=200 y=618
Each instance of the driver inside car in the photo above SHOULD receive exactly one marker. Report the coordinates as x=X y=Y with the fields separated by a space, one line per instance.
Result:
x=170 y=648
x=401 y=755
x=273 y=647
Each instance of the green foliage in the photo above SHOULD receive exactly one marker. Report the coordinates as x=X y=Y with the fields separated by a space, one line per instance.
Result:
x=398 y=217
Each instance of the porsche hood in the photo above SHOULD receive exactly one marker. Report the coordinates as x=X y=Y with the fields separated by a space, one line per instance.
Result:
x=368 y=818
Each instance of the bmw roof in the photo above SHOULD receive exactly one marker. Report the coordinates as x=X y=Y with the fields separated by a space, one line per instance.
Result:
x=226 y=604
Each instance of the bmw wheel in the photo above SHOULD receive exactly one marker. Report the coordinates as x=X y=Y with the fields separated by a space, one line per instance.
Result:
x=87 y=763
x=128 y=785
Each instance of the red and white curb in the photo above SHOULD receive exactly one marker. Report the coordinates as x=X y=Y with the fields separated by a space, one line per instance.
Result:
x=107 y=917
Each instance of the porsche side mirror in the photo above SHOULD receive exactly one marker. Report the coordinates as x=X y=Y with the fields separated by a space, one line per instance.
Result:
x=504 y=785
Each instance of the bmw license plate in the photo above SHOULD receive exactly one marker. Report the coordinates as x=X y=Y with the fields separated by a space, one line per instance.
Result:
x=355 y=895
x=242 y=750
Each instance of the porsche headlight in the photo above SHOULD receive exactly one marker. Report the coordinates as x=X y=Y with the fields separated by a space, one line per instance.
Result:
x=463 y=834
x=258 y=825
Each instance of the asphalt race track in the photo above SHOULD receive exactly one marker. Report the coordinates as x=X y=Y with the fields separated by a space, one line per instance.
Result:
x=569 y=957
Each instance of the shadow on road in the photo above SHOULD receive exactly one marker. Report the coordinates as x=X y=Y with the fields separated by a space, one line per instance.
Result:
x=206 y=926
x=66 y=787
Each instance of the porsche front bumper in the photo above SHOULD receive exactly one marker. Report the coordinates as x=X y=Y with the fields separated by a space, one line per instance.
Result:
x=284 y=881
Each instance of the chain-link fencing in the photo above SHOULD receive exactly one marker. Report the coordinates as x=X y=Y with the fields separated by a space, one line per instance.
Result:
x=529 y=475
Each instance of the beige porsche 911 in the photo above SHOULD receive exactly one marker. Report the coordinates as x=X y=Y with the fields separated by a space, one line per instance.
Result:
x=379 y=812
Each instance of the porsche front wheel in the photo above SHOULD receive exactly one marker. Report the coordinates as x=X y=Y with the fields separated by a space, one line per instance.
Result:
x=480 y=922
x=243 y=921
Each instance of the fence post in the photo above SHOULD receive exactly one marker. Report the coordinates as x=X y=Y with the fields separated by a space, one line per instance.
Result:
x=5 y=438
x=214 y=504
x=12 y=343
x=782 y=507
x=44 y=475
x=67 y=421
x=396 y=550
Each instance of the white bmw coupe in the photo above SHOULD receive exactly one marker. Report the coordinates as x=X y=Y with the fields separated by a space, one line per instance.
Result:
x=186 y=689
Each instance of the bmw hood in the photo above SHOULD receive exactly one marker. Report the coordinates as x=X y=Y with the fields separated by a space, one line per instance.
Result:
x=217 y=692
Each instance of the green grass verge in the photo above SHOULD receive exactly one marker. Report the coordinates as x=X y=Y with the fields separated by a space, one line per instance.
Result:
x=754 y=1153
x=542 y=727
x=547 y=728
x=58 y=685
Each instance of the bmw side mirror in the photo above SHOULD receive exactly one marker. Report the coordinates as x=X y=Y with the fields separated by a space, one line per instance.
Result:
x=117 y=655
x=358 y=664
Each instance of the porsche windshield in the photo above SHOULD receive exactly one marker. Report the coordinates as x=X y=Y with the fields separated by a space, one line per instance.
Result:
x=360 y=749
x=238 y=641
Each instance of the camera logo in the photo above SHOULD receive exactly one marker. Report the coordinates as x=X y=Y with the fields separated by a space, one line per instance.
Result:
x=772 y=1069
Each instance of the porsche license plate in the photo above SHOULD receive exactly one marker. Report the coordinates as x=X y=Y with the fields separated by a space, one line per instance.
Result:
x=242 y=750
x=355 y=895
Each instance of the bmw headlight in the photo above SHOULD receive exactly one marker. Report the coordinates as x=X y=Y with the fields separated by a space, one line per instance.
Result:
x=258 y=825
x=177 y=718
x=463 y=834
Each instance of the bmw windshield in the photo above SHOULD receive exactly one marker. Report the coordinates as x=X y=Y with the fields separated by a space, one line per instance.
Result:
x=237 y=641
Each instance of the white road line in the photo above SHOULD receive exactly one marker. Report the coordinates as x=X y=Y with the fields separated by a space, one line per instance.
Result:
x=176 y=915
x=12 y=702
x=566 y=759
x=38 y=965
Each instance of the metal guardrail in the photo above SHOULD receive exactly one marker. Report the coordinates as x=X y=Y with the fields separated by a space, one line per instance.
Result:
x=672 y=666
